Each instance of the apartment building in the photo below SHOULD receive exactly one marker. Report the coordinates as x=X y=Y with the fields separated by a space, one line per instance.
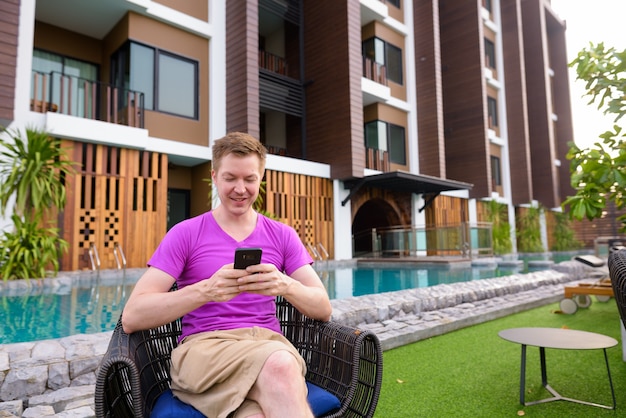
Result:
x=380 y=117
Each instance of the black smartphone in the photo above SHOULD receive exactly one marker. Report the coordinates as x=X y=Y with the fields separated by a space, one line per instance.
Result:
x=245 y=257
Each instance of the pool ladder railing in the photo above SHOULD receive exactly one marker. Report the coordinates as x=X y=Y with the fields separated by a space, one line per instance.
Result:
x=319 y=252
x=120 y=258
x=322 y=251
x=118 y=253
x=94 y=258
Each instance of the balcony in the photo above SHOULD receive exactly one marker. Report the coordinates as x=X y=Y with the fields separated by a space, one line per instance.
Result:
x=374 y=83
x=74 y=96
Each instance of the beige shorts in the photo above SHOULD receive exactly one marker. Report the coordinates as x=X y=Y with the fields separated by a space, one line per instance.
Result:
x=214 y=371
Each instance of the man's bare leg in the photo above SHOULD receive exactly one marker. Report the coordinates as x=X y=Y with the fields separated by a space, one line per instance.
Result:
x=280 y=388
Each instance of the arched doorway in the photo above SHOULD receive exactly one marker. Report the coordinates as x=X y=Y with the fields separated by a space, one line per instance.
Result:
x=375 y=213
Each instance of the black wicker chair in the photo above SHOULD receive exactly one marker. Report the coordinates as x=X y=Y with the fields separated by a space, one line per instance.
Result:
x=617 y=273
x=346 y=362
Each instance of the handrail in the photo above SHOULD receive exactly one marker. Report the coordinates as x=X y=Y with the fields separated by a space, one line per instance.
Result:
x=118 y=253
x=94 y=257
x=311 y=248
x=89 y=99
x=322 y=250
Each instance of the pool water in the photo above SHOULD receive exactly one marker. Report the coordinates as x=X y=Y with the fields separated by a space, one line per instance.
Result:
x=40 y=316
x=94 y=306
x=342 y=283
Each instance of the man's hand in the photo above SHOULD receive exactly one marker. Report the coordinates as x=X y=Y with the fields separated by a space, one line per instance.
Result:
x=264 y=279
x=222 y=286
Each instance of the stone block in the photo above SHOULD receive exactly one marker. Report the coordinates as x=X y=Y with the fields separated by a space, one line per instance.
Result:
x=24 y=382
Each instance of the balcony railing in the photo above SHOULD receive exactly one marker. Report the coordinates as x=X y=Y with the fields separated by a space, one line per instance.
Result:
x=75 y=96
x=374 y=71
x=376 y=159
x=272 y=62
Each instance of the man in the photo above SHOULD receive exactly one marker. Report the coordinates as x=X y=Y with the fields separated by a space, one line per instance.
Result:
x=232 y=359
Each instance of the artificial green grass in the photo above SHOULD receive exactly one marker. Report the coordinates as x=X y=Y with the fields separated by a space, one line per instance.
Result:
x=472 y=372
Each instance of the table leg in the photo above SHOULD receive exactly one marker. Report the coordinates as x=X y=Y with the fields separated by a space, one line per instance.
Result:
x=544 y=372
x=544 y=381
x=606 y=360
x=522 y=379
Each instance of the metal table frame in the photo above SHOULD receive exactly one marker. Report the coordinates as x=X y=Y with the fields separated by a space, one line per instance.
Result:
x=544 y=377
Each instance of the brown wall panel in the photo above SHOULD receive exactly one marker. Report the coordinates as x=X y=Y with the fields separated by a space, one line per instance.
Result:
x=516 y=102
x=242 y=77
x=195 y=8
x=9 y=27
x=429 y=89
x=563 y=127
x=539 y=108
x=464 y=96
x=333 y=97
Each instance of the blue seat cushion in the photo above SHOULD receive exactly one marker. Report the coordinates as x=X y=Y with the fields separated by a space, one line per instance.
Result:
x=321 y=400
x=167 y=406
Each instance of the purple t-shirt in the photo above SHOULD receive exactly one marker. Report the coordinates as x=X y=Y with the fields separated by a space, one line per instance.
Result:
x=196 y=248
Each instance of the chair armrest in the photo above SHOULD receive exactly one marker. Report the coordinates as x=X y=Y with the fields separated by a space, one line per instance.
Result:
x=118 y=389
x=135 y=370
x=352 y=362
x=343 y=360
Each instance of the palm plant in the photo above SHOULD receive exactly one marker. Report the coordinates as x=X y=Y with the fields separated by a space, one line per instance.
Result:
x=33 y=168
x=501 y=229
x=529 y=231
x=564 y=236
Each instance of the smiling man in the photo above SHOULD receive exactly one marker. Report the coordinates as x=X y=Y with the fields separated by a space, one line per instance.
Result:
x=232 y=360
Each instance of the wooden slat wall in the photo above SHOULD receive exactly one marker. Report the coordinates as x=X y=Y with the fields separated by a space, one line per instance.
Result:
x=146 y=208
x=445 y=211
x=303 y=202
x=117 y=196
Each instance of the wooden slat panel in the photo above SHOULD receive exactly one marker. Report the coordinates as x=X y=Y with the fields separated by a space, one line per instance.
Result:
x=304 y=203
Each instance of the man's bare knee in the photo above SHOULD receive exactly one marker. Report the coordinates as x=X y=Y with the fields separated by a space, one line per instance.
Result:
x=282 y=362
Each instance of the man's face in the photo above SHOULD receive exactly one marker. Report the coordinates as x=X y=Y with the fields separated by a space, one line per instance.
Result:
x=238 y=180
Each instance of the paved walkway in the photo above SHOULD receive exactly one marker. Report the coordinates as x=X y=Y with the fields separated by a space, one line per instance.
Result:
x=57 y=377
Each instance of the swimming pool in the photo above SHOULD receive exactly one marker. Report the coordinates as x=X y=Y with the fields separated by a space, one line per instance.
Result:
x=94 y=302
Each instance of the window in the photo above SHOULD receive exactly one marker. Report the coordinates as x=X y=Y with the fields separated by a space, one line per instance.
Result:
x=490 y=54
x=496 y=177
x=394 y=3
x=169 y=82
x=492 y=112
x=487 y=5
x=386 y=137
x=385 y=54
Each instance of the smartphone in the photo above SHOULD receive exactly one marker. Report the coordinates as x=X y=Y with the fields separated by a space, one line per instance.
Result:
x=245 y=257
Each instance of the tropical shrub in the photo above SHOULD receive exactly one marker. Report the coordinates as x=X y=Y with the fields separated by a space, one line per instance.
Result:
x=33 y=168
x=500 y=228
x=564 y=237
x=529 y=231
x=598 y=173
x=29 y=249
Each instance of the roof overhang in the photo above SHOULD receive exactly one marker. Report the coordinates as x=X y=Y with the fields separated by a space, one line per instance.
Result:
x=401 y=181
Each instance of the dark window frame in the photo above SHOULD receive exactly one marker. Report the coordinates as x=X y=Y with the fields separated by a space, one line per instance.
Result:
x=395 y=72
x=392 y=146
x=120 y=60
x=492 y=111
x=490 y=54
x=496 y=171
